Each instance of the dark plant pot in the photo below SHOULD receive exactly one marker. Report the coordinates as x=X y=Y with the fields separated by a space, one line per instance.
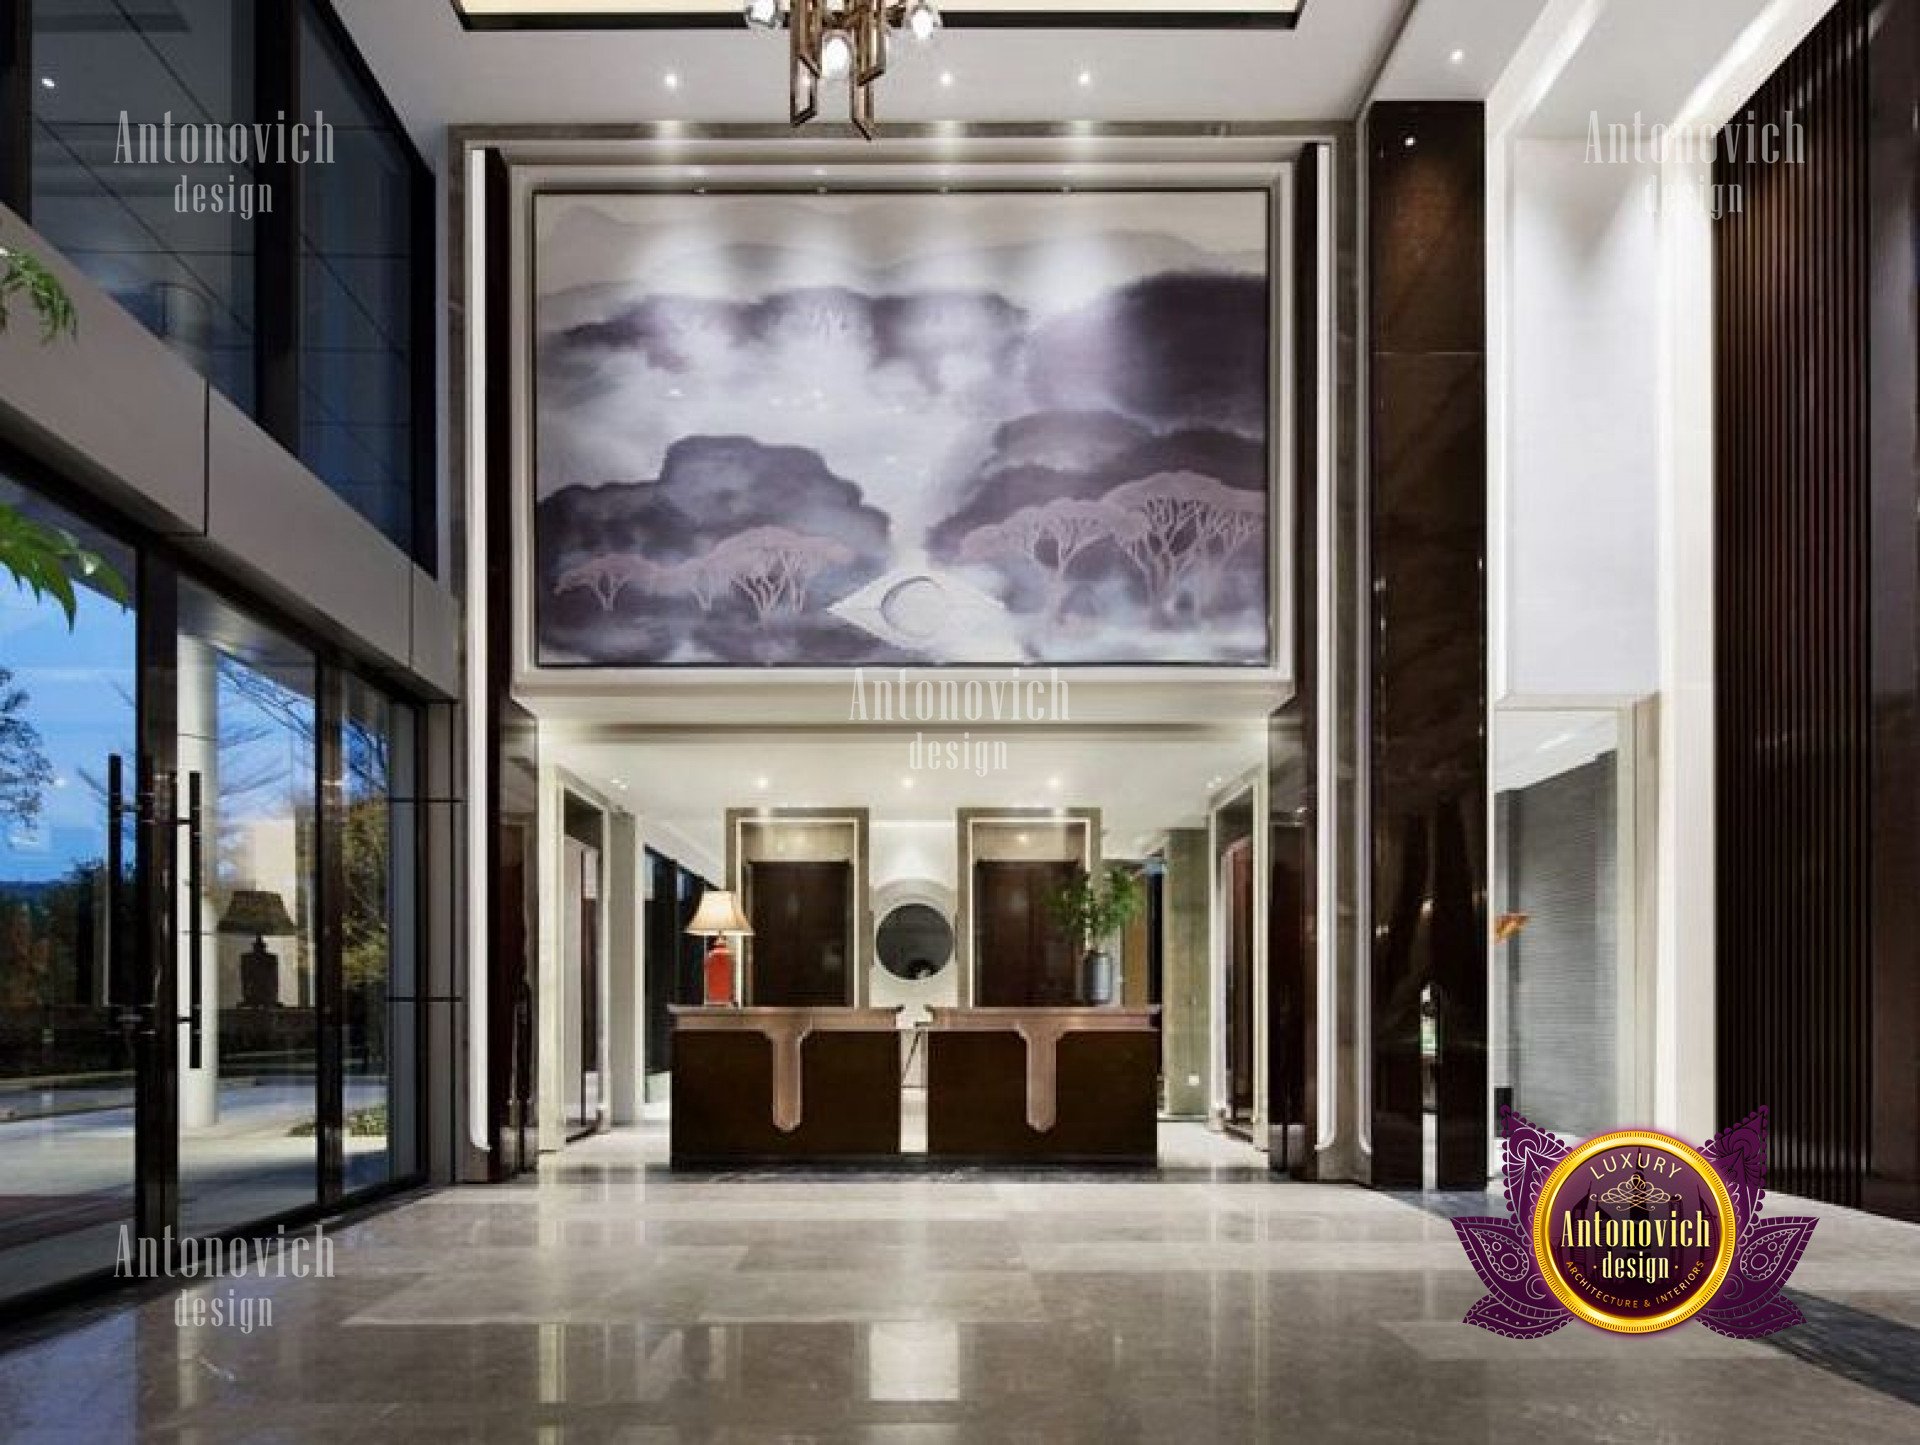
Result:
x=1096 y=979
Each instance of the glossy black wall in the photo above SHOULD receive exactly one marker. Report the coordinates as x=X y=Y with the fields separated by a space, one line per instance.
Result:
x=1818 y=822
x=1427 y=528
x=1293 y=733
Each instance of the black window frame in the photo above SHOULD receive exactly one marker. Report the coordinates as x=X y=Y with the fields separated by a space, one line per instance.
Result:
x=163 y=566
x=278 y=302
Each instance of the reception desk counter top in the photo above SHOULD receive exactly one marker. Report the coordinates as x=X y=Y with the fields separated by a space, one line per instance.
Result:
x=1043 y=1083
x=785 y=1083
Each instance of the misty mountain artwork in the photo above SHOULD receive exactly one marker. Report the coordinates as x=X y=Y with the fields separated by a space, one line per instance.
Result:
x=913 y=429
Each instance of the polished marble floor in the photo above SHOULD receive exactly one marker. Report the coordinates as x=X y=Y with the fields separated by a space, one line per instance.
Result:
x=607 y=1300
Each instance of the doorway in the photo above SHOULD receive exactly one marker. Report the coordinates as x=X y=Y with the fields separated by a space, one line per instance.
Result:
x=583 y=976
x=1024 y=958
x=189 y=1040
x=802 y=916
x=1235 y=900
x=74 y=1038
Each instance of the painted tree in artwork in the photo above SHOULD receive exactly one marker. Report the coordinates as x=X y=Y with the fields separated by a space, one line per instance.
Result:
x=610 y=574
x=1051 y=537
x=1192 y=527
x=772 y=567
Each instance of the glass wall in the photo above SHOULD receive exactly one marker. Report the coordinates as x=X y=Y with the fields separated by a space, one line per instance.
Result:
x=231 y=175
x=209 y=864
x=132 y=208
x=249 y=1053
x=356 y=282
x=378 y=866
x=68 y=1022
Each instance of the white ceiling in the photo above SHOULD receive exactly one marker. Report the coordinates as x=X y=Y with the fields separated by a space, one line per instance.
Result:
x=1618 y=70
x=1456 y=49
x=952 y=9
x=1144 y=782
x=439 y=73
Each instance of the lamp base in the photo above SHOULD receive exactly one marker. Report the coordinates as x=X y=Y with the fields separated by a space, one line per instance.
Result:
x=719 y=974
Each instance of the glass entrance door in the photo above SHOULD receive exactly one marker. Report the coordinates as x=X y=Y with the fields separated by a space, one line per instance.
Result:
x=72 y=1031
x=247 y=1050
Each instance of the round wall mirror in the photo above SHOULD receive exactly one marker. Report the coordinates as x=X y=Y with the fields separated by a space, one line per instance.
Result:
x=915 y=942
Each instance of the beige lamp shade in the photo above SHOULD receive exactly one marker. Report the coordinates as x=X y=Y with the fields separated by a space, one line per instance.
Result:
x=259 y=913
x=718 y=913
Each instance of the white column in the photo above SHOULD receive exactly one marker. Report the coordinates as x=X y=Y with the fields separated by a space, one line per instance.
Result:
x=199 y=752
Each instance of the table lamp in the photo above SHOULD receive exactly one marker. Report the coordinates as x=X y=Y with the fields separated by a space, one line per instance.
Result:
x=717 y=916
x=262 y=914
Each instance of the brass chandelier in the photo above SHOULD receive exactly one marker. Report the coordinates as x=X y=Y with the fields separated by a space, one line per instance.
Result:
x=835 y=40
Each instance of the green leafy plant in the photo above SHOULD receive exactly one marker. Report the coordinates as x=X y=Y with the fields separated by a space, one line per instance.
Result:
x=46 y=560
x=50 y=562
x=22 y=272
x=1092 y=909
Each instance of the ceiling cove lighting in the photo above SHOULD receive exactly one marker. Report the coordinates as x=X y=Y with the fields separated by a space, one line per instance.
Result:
x=840 y=40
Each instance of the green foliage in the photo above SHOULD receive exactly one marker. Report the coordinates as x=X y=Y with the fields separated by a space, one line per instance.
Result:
x=23 y=273
x=48 y=562
x=369 y=1123
x=43 y=559
x=25 y=771
x=1091 y=910
x=366 y=949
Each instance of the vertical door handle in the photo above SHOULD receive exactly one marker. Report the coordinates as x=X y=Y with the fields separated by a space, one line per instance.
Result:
x=193 y=822
x=119 y=993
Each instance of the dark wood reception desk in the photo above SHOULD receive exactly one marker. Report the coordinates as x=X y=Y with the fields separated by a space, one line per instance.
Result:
x=1057 y=1085
x=772 y=1084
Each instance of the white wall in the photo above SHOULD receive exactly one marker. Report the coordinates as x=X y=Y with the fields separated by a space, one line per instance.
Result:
x=915 y=862
x=1581 y=538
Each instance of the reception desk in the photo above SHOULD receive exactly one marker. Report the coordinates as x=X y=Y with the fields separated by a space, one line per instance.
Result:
x=778 y=1084
x=1052 y=1085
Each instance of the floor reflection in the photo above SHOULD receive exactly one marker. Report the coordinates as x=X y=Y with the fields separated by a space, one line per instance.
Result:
x=607 y=1300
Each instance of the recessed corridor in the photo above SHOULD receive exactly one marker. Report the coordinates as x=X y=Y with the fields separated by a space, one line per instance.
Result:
x=605 y=1299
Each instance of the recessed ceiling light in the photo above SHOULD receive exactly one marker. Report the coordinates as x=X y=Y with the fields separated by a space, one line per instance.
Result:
x=1054 y=783
x=1411 y=142
x=47 y=83
x=1457 y=56
x=763 y=783
x=819 y=170
x=946 y=78
x=671 y=80
x=906 y=782
x=1025 y=840
x=1086 y=77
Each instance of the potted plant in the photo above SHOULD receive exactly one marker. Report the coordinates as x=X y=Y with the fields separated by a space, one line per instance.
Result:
x=1091 y=910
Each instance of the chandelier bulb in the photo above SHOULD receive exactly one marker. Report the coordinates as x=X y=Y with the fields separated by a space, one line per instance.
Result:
x=762 y=14
x=836 y=55
x=923 y=20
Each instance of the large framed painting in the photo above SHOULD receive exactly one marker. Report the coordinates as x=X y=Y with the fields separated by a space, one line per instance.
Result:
x=913 y=429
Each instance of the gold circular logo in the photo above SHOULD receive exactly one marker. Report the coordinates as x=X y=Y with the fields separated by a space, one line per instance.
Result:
x=1634 y=1231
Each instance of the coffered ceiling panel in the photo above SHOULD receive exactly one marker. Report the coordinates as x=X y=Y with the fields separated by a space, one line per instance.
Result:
x=562 y=14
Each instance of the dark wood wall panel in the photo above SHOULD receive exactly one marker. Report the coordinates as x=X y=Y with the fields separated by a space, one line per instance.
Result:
x=1814 y=630
x=1893 y=424
x=1427 y=535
